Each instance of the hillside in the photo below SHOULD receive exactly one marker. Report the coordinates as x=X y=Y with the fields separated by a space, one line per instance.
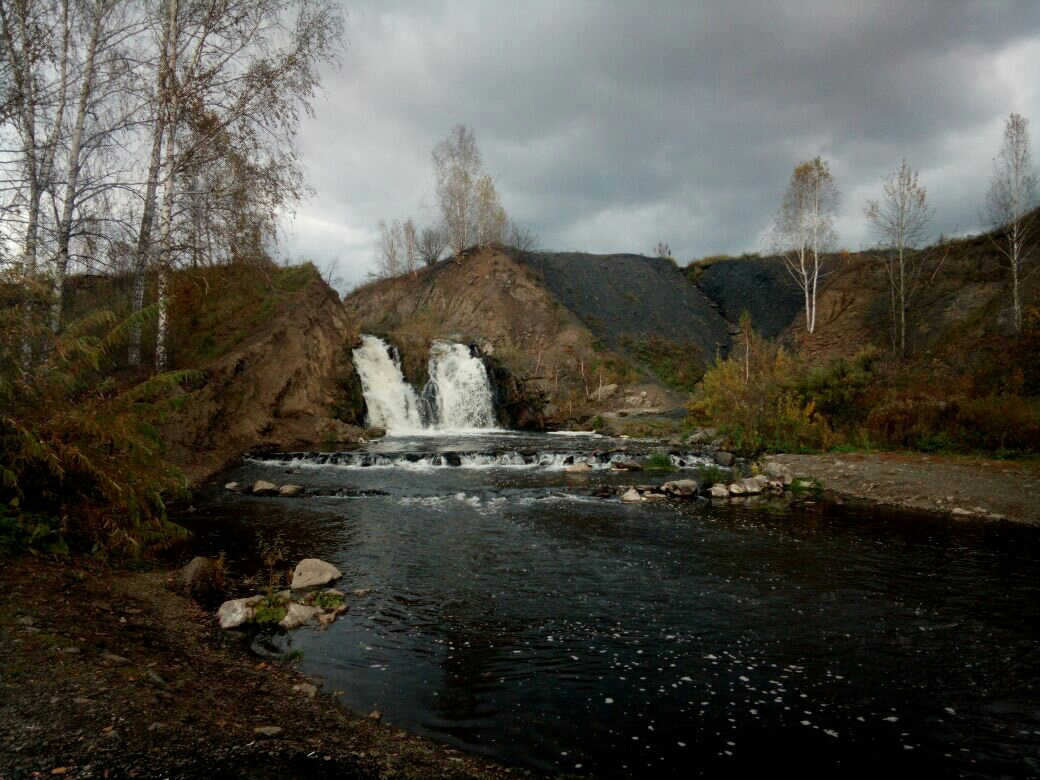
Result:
x=759 y=285
x=561 y=326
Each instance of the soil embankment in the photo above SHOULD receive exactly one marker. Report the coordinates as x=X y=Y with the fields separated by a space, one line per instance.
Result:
x=967 y=487
x=110 y=674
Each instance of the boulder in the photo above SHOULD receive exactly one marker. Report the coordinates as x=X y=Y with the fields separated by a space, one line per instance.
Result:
x=234 y=487
x=702 y=436
x=202 y=577
x=631 y=496
x=267 y=731
x=654 y=497
x=288 y=491
x=681 y=487
x=725 y=459
x=451 y=459
x=721 y=443
x=736 y=489
x=604 y=392
x=326 y=619
x=578 y=468
x=297 y=614
x=309 y=690
x=263 y=488
x=755 y=485
x=312 y=572
x=718 y=490
x=627 y=464
x=777 y=472
x=235 y=612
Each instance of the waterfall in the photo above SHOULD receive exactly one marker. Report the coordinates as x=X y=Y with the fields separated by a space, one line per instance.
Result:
x=391 y=401
x=460 y=388
x=456 y=397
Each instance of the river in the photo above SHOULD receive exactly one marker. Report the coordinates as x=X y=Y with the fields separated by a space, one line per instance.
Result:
x=516 y=612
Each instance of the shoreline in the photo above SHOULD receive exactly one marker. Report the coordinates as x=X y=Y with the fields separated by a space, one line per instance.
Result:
x=962 y=489
x=110 y=673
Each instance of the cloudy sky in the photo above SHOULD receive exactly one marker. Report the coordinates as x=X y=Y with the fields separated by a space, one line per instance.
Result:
x=610 y=126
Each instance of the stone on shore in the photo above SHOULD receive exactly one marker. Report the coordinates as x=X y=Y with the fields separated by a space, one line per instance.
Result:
x=297 y=614
x=288 y=491
x=737 y=489
x=681 y=487
x=627 y=464
x=724 y=459
x=777 y=472
x=718 y=490
x=235 y=612
x=312 y=572
x=234 y=487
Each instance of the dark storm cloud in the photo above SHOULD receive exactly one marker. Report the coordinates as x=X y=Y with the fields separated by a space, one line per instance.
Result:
x=611 y=126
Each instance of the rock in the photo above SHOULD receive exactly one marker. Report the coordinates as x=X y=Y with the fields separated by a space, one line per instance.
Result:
x=288 y=491
x=754 y=485
x=721 y=443
x=451 y=459
x=267 y=731
x=375 y=432
x=202 y=577
x=777 y=471
x=263 y=488
x=114 y=659
x=326 y=619
x=702 y=436
x=718 y=490
x=958 y=512
x=604 y=392
x=631 y=496
x=627 y=464
x=725 y=459
x=312 y=572
x=362 y=592
x=375 y=715
x=235 y=612
x=681 y=487
x=154 y=677
x=309 y=690
x=234 y=487
x=654 y=497
x=776 y=485
x=297 y=614
x=736 y=489
x=578 y=468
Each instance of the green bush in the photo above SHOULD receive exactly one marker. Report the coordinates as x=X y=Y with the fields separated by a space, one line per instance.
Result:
x=76 y=444
x=659 y=461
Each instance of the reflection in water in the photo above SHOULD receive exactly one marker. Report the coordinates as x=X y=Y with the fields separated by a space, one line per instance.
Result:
x=515 y=614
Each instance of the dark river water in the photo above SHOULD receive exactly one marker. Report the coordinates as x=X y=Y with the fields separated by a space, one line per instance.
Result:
x=515 y=614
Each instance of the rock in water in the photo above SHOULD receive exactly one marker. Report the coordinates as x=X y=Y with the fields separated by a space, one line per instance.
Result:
x=235 y=612
x=578 y=468
x=681 y=487
x=724 y=459
x=234 y=487
x=737 y=489
x=312 y=572
x=628 y=464
x=718 y=490
x=297 y=614
x=264 y=488
x=631 y=496
x=290 y=490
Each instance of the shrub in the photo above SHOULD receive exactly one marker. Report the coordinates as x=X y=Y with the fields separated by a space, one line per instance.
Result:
x=75 y=444
x=659 y=461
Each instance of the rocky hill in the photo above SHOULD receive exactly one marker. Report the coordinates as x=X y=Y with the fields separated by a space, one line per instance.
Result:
x=581 y=333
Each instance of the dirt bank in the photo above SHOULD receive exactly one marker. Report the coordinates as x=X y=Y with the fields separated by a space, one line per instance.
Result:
x=110 y=674
x=958 y=487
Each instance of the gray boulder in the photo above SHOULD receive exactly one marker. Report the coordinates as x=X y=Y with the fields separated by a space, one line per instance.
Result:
x=578 y=468
x=288 y=491
x=681 y=487
x=297 y=614
x=234 y=487
x=312 y=572
x=627 y=464
x=777 y=472
x=702 y=436
x=718 y=490
x=737 y=489
x=725 y=459
x=755 y=485
x=235 y=612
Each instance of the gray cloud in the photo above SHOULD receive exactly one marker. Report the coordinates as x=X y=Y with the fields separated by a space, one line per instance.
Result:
x=611 y=126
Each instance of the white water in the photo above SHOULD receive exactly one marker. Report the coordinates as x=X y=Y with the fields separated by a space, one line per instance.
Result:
x=457 y=396
x=459 y=384
x=392 y=403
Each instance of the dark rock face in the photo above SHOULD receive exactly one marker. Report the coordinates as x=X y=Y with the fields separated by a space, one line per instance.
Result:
x=519 y=405
x=759 y=285
x=624 y=297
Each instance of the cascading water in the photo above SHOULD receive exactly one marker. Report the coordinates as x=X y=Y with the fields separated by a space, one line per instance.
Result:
x=391 y=401
x=457 y=396
x=459 y=387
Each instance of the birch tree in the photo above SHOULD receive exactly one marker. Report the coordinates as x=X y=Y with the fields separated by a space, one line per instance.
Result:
x=471 y=211
x=1012 y=196
x=899 y=221
x=803 y=229
x=432 y=243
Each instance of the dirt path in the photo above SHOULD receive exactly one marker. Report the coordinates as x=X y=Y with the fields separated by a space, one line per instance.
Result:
x=958 y=487
x=110 y=674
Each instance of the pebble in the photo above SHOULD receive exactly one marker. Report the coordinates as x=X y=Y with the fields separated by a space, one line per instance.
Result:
x=267 y=731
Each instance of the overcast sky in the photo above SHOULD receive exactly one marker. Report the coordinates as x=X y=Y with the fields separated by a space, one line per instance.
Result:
x=610 y=126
